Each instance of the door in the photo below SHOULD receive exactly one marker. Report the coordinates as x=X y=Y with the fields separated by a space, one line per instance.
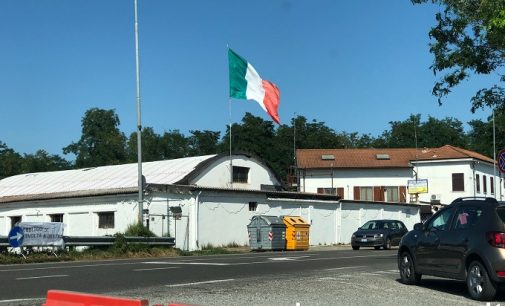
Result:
x=428 y=252
x=454 y=244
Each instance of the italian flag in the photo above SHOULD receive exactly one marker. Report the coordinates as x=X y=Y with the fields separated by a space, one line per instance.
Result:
x=245 y=83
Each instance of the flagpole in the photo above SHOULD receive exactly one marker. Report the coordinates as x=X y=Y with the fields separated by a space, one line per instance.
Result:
x=231 y=163
x=229 y=109
x=494 y=158
x=139 y=121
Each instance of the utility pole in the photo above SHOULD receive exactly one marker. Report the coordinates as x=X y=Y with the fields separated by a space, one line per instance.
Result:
x=139 y=121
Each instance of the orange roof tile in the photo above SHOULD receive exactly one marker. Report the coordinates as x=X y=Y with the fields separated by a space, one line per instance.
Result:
x=367 y=158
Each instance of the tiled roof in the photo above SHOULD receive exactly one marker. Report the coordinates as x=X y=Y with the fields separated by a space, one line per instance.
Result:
x=379 y=158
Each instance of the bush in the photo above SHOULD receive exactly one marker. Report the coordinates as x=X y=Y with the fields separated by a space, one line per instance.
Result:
x=138 y=230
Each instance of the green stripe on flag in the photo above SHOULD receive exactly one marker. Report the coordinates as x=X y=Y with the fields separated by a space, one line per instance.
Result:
x=238 y=67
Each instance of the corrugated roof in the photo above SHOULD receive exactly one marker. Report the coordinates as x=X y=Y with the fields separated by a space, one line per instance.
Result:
x=117 y=177
x=368 y=158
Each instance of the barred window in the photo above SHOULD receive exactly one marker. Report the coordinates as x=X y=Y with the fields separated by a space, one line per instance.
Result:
x=240 y=174
x=106 y=220
x=56 y=218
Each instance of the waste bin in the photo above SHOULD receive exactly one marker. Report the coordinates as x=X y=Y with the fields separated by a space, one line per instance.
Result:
x=297 y=233
x=266 y=233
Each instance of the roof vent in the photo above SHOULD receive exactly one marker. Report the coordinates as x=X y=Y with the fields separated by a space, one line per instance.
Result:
x=382 y=156
x=327 y=157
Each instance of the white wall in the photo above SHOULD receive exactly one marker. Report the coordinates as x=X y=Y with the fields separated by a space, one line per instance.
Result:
x=209 y=217
x=80 y=215
x=218 y=174
x=439 y=175
x=348 y=178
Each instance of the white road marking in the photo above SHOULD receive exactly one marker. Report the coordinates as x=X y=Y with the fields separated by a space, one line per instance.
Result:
x=37 y=277
x=286 y=258
x=341 y=268
x=387 y=272
x=21 y=300
x=151 y=269
x=69 y=267
x=186 y=263
x=201 y=283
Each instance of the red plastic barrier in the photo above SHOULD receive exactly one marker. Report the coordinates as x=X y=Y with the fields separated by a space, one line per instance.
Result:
x=69 y=298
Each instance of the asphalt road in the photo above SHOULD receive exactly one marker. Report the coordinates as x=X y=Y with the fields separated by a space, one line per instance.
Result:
x=327 y=277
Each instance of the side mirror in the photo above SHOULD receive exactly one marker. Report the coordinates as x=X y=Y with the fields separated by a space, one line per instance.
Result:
x=419 y=227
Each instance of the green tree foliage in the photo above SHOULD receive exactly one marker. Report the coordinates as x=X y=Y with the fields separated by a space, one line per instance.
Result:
x=203 y=142
x=480 y=136
x=432 y=133
x=469 y=39
x=151 y=143
x=101 y=143
x=174 y=145
x=10 y=161
x=42 y=161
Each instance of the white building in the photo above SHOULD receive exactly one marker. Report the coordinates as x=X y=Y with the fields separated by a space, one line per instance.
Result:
x=383 y=174
x=103 y=200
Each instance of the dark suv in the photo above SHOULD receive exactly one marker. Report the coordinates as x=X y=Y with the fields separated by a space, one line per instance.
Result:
x=463 y=241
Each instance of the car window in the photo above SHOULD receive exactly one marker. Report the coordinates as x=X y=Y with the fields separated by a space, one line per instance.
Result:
x=400 y=225
x=466 y=217
x=441 y=220
x=386 y=225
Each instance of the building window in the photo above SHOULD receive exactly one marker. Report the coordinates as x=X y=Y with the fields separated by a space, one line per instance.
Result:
x=253 y=206
x=391 y=194
x=57 y=218
x=366 y=193
x=458 y=183
x=477 y=183
x=491 y=184
x=484 y=184
x=106 y=220
x=240 y=174
x=15 y=220
x=332 y=191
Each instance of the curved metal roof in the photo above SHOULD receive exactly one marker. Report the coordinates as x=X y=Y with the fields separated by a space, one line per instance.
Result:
x=100 y=178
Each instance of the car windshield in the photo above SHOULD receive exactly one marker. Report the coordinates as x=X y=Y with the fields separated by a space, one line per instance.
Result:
x=373 y=225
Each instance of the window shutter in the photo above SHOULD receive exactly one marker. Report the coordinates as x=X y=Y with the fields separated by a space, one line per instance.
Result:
x=378 y=193
x=340 y=192
x=403 y=194
x=356 y=192
x=458 y=183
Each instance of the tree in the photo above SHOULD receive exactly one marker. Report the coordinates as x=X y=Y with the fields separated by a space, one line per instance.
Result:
x=469 y=39
x=42 y=161
x=203 y=142
x=10 y=161
x=480 y=136
x=174 y=145
x=151 y=146
x=101 y=143
x=430 y=134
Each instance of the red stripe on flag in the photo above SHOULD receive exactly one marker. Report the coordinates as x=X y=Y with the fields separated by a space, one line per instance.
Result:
x=272 y=99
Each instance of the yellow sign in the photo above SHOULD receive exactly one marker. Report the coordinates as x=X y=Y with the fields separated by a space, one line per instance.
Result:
x=417 y=186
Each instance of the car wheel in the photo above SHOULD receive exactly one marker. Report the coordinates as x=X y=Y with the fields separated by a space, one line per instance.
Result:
x=479 y=285
x=407 y=269
x=355 y=247
x=387 y=245
x=376 y=247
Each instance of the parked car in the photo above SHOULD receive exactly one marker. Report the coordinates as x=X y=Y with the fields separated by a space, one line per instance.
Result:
x=378 y=233
x=463 y=241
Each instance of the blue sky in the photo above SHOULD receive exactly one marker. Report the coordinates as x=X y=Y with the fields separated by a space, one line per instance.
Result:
x=355 y=65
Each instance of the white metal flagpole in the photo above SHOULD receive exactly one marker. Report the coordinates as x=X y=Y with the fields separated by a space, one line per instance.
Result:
x=139 y=121
x=494 y=158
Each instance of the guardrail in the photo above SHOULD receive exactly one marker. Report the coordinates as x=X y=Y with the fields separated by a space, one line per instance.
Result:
x=105 y=240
